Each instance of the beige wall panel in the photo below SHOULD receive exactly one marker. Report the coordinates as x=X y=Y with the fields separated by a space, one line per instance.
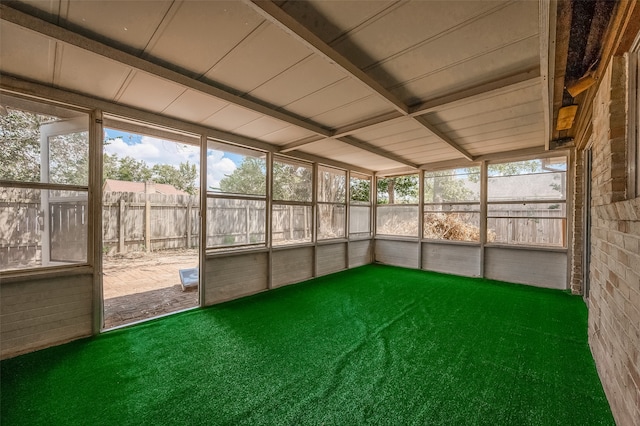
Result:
x=44 y=312
x=131 y=23
x=85 y=72
x=451 y=259
x=291 y=265
x=234 y=276
x=194 y=106
x=150 y=93
x=35 y=62
x=533 y=267
x=201 y=33
x=398 y=253
x=267 y=52
x=331 y=258
x=360 y=253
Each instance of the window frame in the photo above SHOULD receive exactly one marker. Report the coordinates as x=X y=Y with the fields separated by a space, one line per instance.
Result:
x=565 y=200
x=354 y=236
x=319 y=202
x=426 y=205
x=213 y=195
x=633 y=119
x=293 y=203
x=415 y=205
x=67 y=125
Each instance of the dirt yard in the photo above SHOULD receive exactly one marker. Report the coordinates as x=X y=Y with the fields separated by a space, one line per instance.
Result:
x=140 y=285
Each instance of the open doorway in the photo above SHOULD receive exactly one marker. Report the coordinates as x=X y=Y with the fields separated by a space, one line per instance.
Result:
x=150 y=222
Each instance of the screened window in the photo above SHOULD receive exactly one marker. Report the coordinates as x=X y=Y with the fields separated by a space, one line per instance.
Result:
x=236 y=196
x=359 y=206
x=452 y=204
x=397 y=209
x=332 y=201
x=43 y=185
x=291 y=219
x=527 y=202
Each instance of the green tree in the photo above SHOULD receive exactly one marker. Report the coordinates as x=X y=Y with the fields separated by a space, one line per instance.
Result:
x=248 y=178
x=360 y=190
x=398 y=189
x=20 y=140
x=183 y=177
x=291 y=182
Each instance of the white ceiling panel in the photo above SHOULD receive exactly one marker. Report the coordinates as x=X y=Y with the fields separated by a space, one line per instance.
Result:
x=343 y=92
x=482 y=36
x=353 y=112
x=287 y=135
x=260 y=127
x=150 y=93
x=339 y=151
x=335 y=18
x=89 y=73
x=487 y=67
x=201 y=33
x=25 y=53
x=267 y=52
x=304 y=78
x=406 y=27
x=128 y=23
x=231 y=117
x=385 y=130
x=194 y=106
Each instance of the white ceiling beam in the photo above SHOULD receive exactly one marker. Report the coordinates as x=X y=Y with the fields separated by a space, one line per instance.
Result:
x=63 y=35
x=292 y=146
x=376 y=150
x=547 y=28
x=446 y=139
x=13 y=85
x=276 y=15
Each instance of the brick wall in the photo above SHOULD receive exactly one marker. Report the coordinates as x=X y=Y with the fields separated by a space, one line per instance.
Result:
x=614 y=302
x=578 y=224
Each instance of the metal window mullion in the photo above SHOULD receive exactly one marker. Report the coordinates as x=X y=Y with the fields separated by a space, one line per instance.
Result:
x=268 y=219
x=483 y=215
x=314 y=217
x=420 y=215
x=94 y=243
x=202 y=249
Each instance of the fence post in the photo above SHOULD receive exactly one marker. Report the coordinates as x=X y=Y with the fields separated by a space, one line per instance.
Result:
x=121 y=226
x=188 y=223
x=149 y=188
x=248 y=221
x=291 y=222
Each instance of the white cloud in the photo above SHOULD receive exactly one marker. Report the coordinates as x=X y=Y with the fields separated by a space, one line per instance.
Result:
x=157 y=151
x=217 y=167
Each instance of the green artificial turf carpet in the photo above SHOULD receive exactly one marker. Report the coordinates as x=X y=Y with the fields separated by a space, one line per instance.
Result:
x=372 y=345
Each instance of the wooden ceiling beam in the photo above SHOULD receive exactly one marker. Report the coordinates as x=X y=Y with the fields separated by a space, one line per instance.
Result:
x=431 y=128
x=376 y=150
x=277 y=16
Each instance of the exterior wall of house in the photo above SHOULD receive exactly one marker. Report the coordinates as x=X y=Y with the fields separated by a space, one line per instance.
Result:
x=614 y=298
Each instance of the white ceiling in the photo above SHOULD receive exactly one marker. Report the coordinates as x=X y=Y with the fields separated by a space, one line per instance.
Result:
x=377 y=84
